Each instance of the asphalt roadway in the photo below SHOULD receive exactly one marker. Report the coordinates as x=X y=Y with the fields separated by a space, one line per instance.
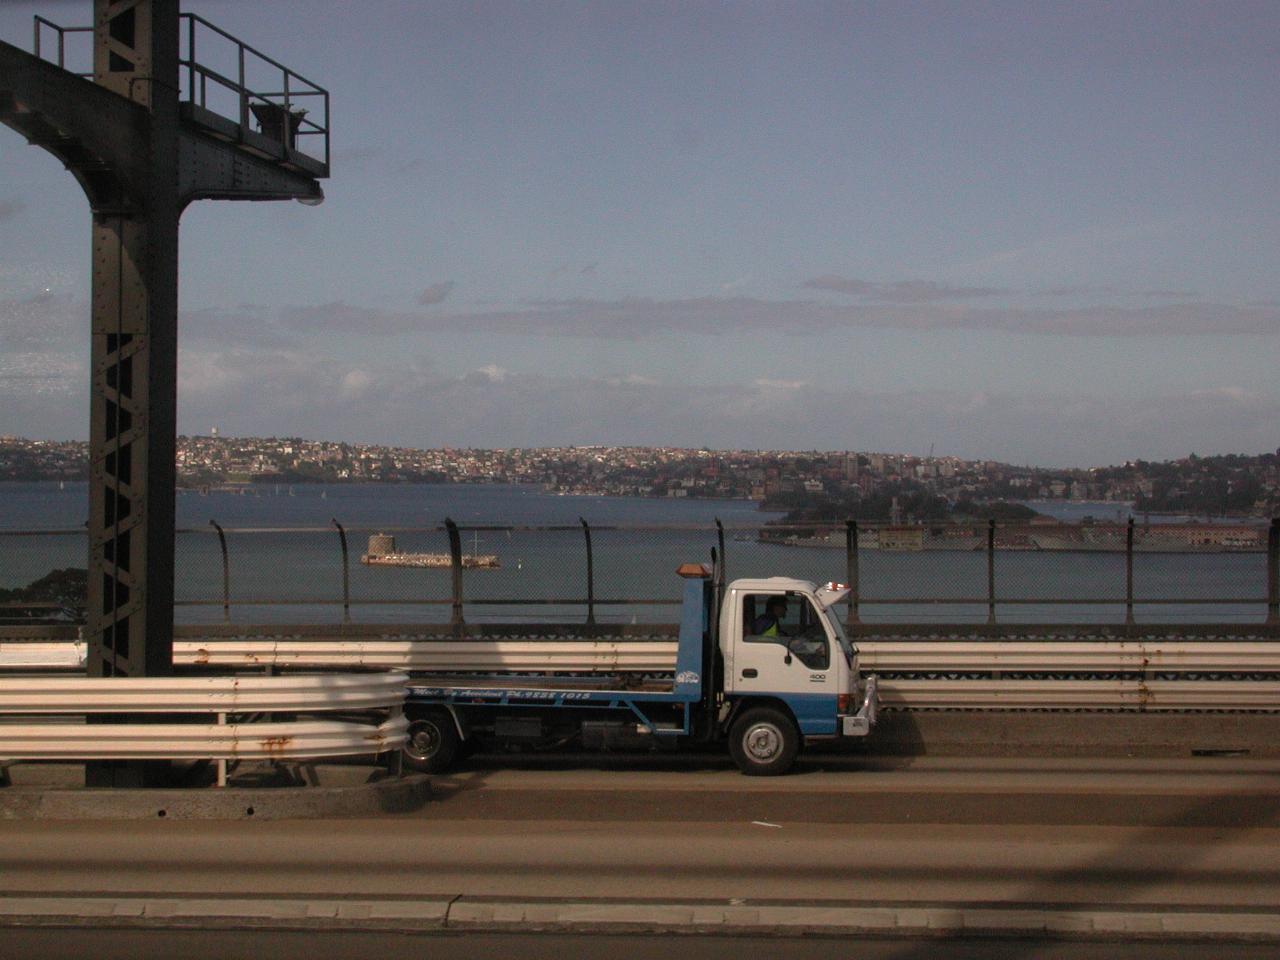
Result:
x=1167 y=853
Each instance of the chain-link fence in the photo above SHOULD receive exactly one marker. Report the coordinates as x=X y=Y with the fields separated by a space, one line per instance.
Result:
x=981 y=572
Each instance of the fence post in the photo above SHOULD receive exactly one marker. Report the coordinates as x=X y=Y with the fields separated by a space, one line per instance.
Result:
x=991 y=570
x=851 y=569
x=226 y=572
x=591 y=576
x=1128 y=573
x=1273 y=571
x=720 y=540
x=346 y=573
x=455 y=556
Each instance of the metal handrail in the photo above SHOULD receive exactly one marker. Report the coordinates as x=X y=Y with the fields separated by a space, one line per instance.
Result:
x=835 y=530
x=193 y=19
x=294 y=86
x=62 y=41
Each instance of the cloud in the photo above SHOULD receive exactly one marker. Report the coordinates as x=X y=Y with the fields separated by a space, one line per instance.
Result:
x=10 y=209
x=638 y=318
x=342 y=317
x=436 y=293
x=784 y=385
x=1191 y=319
x=412 y=166
x=45 y=321
x=41 y=374
x=244 y=325
x=900 y=291
x=286 y=393
x=1237 y=394
x=355 y=384
x=1171 y=294
x=263 y=391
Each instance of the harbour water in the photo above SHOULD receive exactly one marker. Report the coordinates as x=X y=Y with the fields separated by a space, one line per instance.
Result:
x=282 y=546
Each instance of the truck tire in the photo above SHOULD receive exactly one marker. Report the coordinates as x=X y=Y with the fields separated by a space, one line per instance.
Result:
x=764 y=742
x=433 y=742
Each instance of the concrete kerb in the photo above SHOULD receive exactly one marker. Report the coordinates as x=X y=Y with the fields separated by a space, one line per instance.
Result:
x=724 y=917
x=375 y=798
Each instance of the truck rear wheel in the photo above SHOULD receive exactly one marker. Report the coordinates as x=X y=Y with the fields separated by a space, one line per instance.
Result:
x=433 y=742
x=764 y=742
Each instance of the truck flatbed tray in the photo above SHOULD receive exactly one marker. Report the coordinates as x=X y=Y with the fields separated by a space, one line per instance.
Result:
x=610 y=684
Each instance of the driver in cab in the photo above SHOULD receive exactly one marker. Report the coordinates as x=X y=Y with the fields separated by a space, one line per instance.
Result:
x=809 y=644
x=769 y=623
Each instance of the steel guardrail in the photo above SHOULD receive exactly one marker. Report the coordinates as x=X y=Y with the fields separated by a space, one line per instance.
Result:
x=1084 y=695
x=199 y=741
x=243 y=707
x=587 y=655
x=291 y=693
x=1072 y=656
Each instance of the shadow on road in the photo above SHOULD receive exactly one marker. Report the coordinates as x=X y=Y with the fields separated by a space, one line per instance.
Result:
x=1118 y=863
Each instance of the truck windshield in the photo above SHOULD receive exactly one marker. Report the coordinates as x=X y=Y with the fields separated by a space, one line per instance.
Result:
x=838 y=629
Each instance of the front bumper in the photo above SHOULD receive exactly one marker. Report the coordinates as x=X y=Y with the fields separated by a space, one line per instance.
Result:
x=860 y=723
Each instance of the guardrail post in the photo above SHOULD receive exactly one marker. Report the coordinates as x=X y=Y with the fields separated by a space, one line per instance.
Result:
x=851 y=568
x=226 y=572
x=395 y=758
x=1273 y=571
x=991 y=570
x=222 y=762
x=591 y=576
x=346 y=573
x=1128 y=573
x=455 y=557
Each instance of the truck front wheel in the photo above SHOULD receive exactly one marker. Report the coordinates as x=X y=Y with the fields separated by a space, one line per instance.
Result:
x=433 y=742
x=764 y=742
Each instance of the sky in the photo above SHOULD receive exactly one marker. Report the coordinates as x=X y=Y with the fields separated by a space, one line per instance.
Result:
x=1041 y=233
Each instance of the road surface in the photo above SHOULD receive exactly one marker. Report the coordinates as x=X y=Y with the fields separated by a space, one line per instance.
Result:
x=1190 y=845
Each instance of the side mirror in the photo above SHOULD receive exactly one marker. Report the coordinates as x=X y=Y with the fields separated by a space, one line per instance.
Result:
x=787 y=658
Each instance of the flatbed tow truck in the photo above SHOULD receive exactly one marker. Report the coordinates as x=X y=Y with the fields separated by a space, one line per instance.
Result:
x=765 y=694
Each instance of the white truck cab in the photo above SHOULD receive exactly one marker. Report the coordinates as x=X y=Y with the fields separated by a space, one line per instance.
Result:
x=782 y=640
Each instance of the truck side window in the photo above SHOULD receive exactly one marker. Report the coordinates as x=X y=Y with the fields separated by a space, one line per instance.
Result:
x=788 y=620
x=810 y=643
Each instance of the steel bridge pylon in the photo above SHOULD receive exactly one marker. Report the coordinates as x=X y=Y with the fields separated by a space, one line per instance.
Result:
x=142 y=151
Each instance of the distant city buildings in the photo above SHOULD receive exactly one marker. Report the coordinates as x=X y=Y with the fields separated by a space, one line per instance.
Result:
x=1216 y=485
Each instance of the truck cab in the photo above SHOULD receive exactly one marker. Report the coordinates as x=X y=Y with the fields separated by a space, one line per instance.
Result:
x=790 y=673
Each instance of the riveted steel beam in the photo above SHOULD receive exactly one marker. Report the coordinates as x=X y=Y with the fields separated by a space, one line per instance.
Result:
x=140 y=158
